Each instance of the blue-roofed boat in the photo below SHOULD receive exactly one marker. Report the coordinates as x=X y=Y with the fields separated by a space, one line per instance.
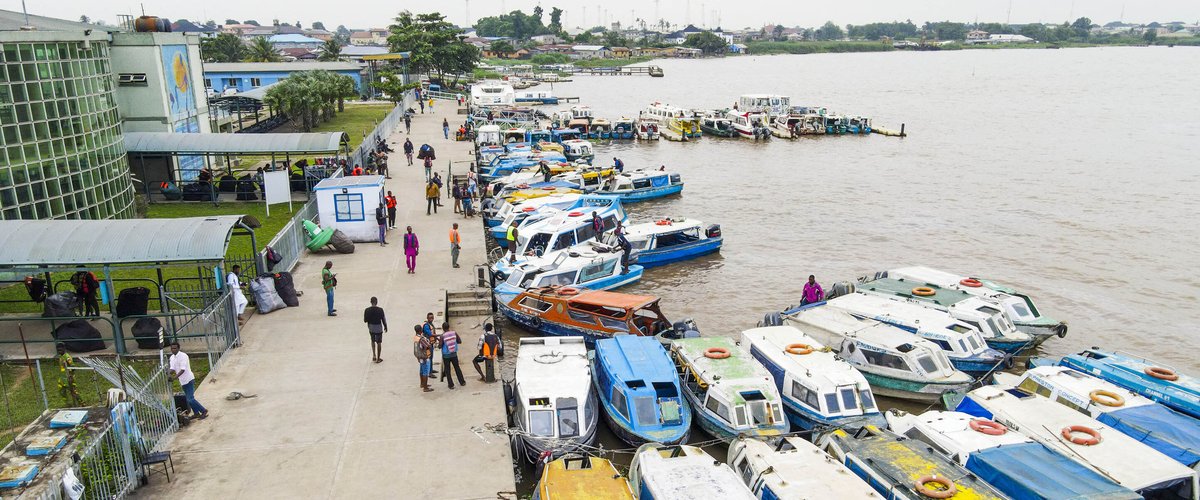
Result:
x=565 y=134
x=641 y=185
x=1015 y=464
x=1169 y=432
x=506 y=164
x=1158 y=381
x=670 y=239
x=818 y=389
x=640 y=391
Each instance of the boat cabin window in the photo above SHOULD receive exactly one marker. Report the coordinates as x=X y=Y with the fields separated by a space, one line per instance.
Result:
x=868 y=402
x=562 y=279
x=718 y=408
x=534 y=303
x=741 y=416
x=585 y=233
x=960 y=328
x=568 y=417
x=675 y=179
x=614 y=324
x=831 y=403
x=743 y=467
x=538 y=243
x=644 y=408
x=990 y=311
x=975 y=343
x=927 y=364
x=1019 y=310
x=581 y=317
x=612 y=312
x=1070 y=404
x=541 y=423
x=849 y=399
x=597 y=270
x=678 y=238
x=641 y=183
x=515 y=278
x=1032 y=386
x=887 y=360
x=618 y=402
x=808 y=396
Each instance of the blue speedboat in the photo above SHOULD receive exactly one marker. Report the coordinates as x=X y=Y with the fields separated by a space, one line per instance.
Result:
x=560 y=229
x=670 y=240
x=624 y=129
x=508 y=163
x=564 y=134
x=641 y=185
x=516 y=211
x=578 y=267
x=640 y=391
x=1154 y=380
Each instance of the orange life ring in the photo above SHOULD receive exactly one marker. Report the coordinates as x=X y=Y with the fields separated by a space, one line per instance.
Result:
x=568 y=290
x=1107 y=398
x=1162 y=373
x=549 y=188
x=988 y=427
x=924 y=291
x=1093 y=438
x=716 y=353
x=971 y=282
x=523 y=186
x=529 y=209
x=663 y=222
x=576 y=214
x=947 y=490
x=799 y=349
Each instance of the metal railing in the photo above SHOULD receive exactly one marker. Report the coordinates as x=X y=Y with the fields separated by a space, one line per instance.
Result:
x=382 y=131
x=289 y=242
x=213 y=328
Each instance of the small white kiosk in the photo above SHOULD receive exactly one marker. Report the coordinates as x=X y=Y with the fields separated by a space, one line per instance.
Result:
x=348 y=204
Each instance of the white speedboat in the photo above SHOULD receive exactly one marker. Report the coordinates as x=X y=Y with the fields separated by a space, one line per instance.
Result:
x=731 y=393
x=647 y=129
x=680 y=472
x=492 y=93
x=747 y=124
x=769 y=104
x=895 y=362
x=1081 y=438
x=674 y=123
x=641 y=185
x=794 y=468
x=552 y=404
x=819 y=390
x=670 y=239
x=590 y=265
x=578 y=149
x=560 y=229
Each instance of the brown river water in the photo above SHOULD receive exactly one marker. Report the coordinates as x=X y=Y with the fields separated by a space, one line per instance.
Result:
x=1070 y=175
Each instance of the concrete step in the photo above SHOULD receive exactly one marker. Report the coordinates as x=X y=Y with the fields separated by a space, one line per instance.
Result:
x=469 y=311
x=482 y=294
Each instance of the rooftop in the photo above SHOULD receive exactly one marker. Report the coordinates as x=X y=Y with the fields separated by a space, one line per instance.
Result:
x=293 y=38
x=29 y=243
x=253 y=67
x=13 y=21
x=166 y=142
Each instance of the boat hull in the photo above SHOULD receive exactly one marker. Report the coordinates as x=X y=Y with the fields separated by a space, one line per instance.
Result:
x=805 y=420
x=648 y=193
x=632 y=437
x=716 y=428
x=914 y=390
x=1010 y=346
x=718 y=132
x=677 y=253
x=531 y=448
x=975 y=367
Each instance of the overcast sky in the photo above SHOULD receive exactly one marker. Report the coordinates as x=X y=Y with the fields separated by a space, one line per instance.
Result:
x=730 y=14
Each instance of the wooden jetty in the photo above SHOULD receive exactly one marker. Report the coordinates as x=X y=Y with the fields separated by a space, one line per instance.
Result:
x=654 y=71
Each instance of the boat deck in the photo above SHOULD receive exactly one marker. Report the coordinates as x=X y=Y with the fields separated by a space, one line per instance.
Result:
x=904 y=287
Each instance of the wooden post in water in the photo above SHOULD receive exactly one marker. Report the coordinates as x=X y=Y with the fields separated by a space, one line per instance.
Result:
x=902 y=134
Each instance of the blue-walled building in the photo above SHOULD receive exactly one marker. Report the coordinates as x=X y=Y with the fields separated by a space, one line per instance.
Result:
x=247 y=76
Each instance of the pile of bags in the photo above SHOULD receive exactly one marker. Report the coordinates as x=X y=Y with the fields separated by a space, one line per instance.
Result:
x=274 y=291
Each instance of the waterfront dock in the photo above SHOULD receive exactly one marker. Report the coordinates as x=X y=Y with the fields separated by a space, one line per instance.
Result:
x=326 y=422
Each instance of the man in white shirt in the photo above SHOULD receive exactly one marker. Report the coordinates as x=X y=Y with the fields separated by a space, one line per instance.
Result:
x=233 y=279
x=181 y=369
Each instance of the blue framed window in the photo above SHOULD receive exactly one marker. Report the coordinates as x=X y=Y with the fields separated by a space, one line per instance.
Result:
x=348 y=207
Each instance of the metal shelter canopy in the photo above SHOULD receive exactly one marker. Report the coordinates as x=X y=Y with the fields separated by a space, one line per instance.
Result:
x=255 y=94
x=44 y=245
x=218 y=144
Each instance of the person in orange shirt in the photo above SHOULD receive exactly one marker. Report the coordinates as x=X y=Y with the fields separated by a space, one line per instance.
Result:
x=455 y=245
x=391 y=208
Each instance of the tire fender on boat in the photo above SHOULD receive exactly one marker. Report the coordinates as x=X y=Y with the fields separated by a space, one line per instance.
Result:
x=948 y=488
x=924 y=291
x=1107 y=398
x=1161 y=373
x=799 y=349
x=1069 y=433
x=988 y=427
x=716 y=353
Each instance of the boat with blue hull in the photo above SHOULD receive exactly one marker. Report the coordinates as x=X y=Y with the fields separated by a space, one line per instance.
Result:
x=535 y=97
x=679 y=472
x=669 y=240
x=624 y=129
x=819 y=390
x=1012 y=462
x=516 y=210
x=642 y=185
x=731 y=393
x=640 y=391
x=560 y=229
x=564 y=311
x=591 y=266
x=1152 y=379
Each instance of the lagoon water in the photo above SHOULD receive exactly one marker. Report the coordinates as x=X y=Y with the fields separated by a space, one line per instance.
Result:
x=1069 y=174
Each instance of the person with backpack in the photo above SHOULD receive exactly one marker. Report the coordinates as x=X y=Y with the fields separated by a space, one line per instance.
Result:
x=456 y=193
x=489 y=346
x=87 y=288
x=376 y=326
x=423 y=350
x=450 y=342
x=381 y=218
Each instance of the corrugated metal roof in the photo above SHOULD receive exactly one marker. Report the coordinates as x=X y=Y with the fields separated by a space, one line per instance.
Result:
x=349 y=181
x=293 y=38
x=259 y=67
x=116 y=241
x=166 y=142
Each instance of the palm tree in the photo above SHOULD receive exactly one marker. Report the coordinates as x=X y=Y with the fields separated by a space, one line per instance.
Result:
x=330 y=51
x=261 y=50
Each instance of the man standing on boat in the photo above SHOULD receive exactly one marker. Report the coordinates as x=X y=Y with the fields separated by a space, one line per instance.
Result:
x=618 y=165
x=813 y=292
x=597 y=224
x=544 y=168
x=624 y=245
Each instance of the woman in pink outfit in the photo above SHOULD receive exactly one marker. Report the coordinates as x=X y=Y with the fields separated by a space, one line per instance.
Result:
x=411 y=248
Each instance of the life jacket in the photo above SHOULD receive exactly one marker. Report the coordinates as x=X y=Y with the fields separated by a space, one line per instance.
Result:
x=391 y=201
x=510 y=236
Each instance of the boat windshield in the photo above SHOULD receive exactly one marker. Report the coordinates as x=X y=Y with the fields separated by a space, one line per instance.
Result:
x=1020 y=311
x=868 y=402
x=927 y=364
x=643 y=407
x=760 y=410
x=568 y=417
x=541 y=423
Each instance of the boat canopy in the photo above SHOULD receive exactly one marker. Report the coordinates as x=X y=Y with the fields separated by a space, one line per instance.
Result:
x=611 y=299
x=1020 y=470
x=1171 y=433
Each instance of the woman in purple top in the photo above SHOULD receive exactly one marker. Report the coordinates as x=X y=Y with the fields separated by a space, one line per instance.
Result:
x=813 y=292
x=411 y=248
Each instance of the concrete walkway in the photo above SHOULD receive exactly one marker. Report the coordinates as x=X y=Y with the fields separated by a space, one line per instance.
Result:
x=329 y=423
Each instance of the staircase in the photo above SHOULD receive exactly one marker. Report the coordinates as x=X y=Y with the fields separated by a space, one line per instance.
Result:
x=469 y=303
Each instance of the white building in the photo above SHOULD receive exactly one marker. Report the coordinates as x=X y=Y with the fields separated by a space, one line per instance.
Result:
x=591 y=51
x=160 y=82
x=348 y=204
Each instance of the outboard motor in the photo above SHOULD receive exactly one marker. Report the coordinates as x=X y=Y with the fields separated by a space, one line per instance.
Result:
x=685 y=329
x=772 y=319
x=839 y=289
x=713 y=231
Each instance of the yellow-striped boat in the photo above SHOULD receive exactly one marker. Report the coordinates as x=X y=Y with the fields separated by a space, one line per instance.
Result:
x=582 y=477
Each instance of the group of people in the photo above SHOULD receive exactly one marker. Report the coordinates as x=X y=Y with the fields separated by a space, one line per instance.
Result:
x=426 y=339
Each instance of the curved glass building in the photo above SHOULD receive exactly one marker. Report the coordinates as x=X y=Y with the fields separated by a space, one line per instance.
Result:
x=62 y=154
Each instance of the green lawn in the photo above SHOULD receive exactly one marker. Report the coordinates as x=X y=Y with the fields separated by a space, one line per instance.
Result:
x=355 y=121
x=612 y=63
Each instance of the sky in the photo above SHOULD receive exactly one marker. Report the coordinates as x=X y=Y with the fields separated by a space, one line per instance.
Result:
x=704 y=13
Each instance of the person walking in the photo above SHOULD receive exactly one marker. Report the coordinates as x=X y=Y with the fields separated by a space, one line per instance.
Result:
x=381 y=219
x=421 y=102
x=544 y=168
x=428 y=168
x=431 y=197
x=423 y=350
x=329 y=282
x=488 y=347
x=87 y=287
x=234 y=281
x=813 y=292
x=450 y=343
x=456 y=193
x=446 y=128
x=412 y=247
x=376 y=326
x=181 y=369
x=407 y=123
x=437 y=179
x=408 y=150
x=455 y=245
x=430 y=104
x=390 y=199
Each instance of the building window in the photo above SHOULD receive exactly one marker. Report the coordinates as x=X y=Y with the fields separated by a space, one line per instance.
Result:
x=255 y=82
x=208 y=83
x=348 y=207
x=233 y=82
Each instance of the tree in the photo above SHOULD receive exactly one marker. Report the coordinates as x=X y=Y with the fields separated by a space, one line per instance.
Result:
x=502 y=47
x=830 y=31
x=946 y=30
x=331 y=50
x=585 y=37
x=1036 y=31
x=392 y=85
x=615 y=39
x=707 y=42
x=1150 y=36
x=435 y=45
x=537 y=13
x=556 y=20
x=516 y=25
x=225 y=47
x=318 y=25
x=232 y=21
x=252 y=22
x=85 y=19
x=777 y=32
x=1082 y=27
x=261 y=50
x=210 y=24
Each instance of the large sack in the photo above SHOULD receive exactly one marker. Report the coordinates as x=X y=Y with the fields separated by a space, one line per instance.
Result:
x=79 y=336
x=133 y=301
x=286 y=289
x=147 y=332
x=61 y=305
x=266 y=299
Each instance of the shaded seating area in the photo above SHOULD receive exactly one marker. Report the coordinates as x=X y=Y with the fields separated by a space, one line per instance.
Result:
x=233 y=111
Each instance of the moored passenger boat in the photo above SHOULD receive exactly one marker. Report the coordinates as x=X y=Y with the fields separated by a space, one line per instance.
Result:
x=818 y=389
x=600 y=129
x=669 y=240
x=639 y=390
x=641 y=185
x=731 y=393
x=624 y=129
x=749 y=125
x=536 y=97
x=1152 y=379
x=578 y=149
x=647 y=129
x=582 y=476
x=794 y=468
x=590 y=265
x=683 y=472
x=590 y=314
x=717 y=125
x=552 y=403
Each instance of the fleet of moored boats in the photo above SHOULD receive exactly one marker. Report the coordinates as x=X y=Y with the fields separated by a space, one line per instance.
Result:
x=794 y=397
